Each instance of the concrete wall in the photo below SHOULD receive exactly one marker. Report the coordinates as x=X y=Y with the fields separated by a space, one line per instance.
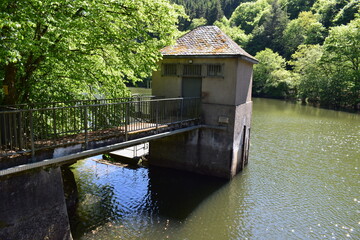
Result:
x=216 y=149
x=201 y=151
x=32 y=206
x=241 y=140
x=244 y=82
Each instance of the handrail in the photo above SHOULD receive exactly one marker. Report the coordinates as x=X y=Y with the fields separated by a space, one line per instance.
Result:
x=30 y=130
x=97 y=105
x=16 y=106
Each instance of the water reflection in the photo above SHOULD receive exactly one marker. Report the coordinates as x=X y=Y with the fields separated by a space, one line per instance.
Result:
x=130 y=202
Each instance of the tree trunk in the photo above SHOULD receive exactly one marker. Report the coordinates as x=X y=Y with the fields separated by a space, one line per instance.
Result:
x=9 y=84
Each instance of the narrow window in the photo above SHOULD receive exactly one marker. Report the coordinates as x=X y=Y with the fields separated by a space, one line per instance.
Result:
x=170 y=69
x=214 y=70
x=192 y=70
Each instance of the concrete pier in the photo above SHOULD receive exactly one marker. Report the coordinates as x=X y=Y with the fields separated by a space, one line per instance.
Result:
x=33 y=206
x=214 y=150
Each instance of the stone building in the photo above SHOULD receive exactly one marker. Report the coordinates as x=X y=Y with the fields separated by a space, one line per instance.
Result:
x=206 y=63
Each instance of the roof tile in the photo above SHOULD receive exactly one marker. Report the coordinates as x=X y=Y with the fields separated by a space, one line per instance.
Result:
x=205 y=41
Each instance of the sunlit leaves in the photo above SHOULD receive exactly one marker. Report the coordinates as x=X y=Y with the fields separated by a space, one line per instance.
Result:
x=250 y=14
x=303 y=30
x=271 y=79
x=329 y=74
x=92 y=46
x=236 y=33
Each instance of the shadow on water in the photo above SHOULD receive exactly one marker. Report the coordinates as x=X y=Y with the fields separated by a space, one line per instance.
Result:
x=122 y=196
x=175 y=194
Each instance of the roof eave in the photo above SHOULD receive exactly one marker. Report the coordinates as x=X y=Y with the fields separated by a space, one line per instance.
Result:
x=248 y=59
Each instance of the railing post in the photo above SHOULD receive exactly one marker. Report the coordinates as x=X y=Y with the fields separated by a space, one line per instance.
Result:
x=127 y=120
x=86 y=126
x=157 y=115
x=54 y=123
x=32 y=136
x=21 y=130
x=138 y=110
x=181 y=111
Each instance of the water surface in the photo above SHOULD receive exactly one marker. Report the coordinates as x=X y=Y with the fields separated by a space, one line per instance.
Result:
x=302 y=182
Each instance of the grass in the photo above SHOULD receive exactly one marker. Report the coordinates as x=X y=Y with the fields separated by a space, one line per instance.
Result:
x=141 y=91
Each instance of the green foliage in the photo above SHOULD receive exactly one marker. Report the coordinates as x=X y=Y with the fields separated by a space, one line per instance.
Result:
x=211 y=10
x=237 y=34
x=271 y=79
x=248 y=15
x=214 y=13
x=335 y=12
x=329 y=74
x=294 y=7
x=270 y=32
x=76 y=48
x=342 y=58
x=80 y=49
x=197 y=22
x=309 y=71
x=228 y=6
x=347 y=13
x=303 y=30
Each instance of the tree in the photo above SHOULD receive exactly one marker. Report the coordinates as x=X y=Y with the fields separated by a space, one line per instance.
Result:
x=228 y=6
x=309 y=71
x=347 y=13
x=214 y=12
x=294 y=7
x=270 y=33
x=197 y=22
x=336 y=12
x=64 y=49
x=303 y=30
x=271 y=79
x=342 y=57
x=248 y=15
x=235 y=33
x=329 y=74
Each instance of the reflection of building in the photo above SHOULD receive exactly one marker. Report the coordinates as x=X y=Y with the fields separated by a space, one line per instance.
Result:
x=206 y=63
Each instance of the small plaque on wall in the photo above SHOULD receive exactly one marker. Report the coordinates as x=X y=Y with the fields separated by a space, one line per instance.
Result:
x=223 y=119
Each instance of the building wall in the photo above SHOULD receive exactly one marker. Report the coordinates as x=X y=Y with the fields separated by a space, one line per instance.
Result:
x=244 y=82
x=220 y=148
x=220 y=90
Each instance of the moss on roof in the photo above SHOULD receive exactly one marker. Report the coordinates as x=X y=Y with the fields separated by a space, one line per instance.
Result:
x=205 y=41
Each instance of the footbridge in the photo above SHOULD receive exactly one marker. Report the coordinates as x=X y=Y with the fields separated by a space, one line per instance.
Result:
x=44 y=134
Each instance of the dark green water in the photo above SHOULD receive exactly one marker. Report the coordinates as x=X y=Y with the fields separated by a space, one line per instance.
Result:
x=302 y=182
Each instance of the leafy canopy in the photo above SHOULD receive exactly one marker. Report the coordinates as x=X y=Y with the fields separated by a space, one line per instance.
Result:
x=58 y=50
x=271 y=79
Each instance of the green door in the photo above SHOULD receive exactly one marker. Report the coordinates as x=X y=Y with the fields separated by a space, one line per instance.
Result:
x=191 y=87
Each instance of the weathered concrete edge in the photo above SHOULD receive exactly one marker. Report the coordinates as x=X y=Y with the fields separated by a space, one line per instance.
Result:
x=98 y=151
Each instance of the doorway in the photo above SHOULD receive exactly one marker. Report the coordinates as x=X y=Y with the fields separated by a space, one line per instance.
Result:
x=191 y=87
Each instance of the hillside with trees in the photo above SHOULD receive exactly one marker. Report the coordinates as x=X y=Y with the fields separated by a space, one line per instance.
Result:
x=64 y=50
x=308 y=49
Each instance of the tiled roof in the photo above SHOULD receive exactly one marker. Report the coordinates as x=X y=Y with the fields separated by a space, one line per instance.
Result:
x=205 y=41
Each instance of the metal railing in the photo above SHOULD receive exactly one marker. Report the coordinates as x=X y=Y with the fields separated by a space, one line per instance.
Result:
x=25 y=130
x=39 y=105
